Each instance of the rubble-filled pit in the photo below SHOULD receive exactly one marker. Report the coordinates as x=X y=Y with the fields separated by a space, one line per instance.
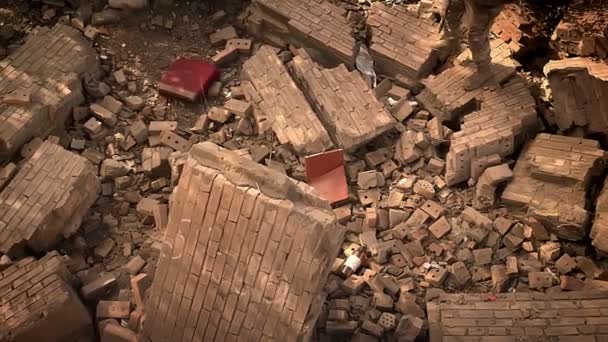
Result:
x=205 y=170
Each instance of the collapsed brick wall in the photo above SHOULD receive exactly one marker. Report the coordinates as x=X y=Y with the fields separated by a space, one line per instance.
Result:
x=48 y=68
x=506 y=117
x=567 y=316
x=304 y=23
x=580 y=94
x=37 y=302
x=47 y=199
x=551 y=179
x=444 y=95
x=281 y=105
x=582 y=31
x=246 y=254
x=515 y=27
x=401 y=42
x=344 y=102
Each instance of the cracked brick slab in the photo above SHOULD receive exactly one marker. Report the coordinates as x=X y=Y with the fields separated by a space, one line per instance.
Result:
x=245 y=255
x=280 y=105
x=47 y=199
x=48 y=68
x=344 y=102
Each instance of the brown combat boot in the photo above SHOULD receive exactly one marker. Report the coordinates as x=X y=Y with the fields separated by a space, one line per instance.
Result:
x=478 y=78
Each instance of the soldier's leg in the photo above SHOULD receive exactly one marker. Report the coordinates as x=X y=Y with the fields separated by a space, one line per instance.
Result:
x=480 y=23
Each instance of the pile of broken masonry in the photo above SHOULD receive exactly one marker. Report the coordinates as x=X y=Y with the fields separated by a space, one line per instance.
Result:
x=210 y=232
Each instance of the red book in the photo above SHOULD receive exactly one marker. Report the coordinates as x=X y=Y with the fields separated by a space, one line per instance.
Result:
x=188 y=78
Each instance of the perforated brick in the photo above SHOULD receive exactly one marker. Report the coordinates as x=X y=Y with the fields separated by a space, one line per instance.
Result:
x=259 y=270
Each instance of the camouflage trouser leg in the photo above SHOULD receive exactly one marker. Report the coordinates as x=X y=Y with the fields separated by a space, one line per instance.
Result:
x=480 y=20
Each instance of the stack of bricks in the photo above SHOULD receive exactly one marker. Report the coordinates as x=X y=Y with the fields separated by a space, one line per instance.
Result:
x=304 y=23
x=345 y=103
x=506 y=117
x=582 y=31
x=47 y=199
x=44 y=76
x=445 y=96
x=252 y=260
x=515 y=27
x=281 y=105
x=402 y=42
x=580 y=93
x=551 y=179
x=37 y=302
x=567 y=316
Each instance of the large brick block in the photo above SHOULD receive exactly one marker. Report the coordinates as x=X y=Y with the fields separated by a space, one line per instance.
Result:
x=279 y=104
x=580 y=93
x=346 y=105
x=47 y=199
x=551 y=180
x=401 y=41
x=304 y=23
x=582 y=31
x=444 y=95
x=246 y=254
x=506 y=117
x=37 y=302
x=47 y=68
x=563 y=316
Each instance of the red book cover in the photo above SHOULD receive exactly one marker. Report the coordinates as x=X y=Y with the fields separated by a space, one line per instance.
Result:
x=188 y=78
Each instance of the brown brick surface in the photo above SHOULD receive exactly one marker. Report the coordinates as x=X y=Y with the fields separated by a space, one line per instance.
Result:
x=599 y=230
x=304 y=23
x=507 y=114
x=47 y=199
x=47 y=67
x=346 y=105
x=37 y=302
x=445 y=96
x=402 y=42
x=580 y=93
x=472 y=317
x=281 y=105
x=550 y=182
x=245 y=255
x=582 y=31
